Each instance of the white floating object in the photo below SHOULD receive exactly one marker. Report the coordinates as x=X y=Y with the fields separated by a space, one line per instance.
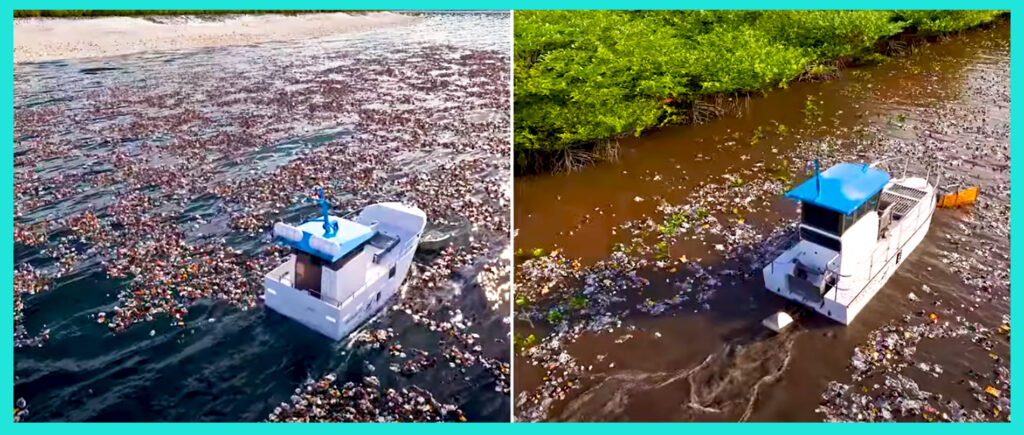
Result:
x=778 y=321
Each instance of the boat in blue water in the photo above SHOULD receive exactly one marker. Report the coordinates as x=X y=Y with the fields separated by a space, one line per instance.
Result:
x=343 y=270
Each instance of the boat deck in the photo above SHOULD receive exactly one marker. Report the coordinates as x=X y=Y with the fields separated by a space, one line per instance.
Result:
x=902 y=198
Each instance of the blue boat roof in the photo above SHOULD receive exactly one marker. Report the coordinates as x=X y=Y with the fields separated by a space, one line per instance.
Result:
x=349 y=236
x=843 y=187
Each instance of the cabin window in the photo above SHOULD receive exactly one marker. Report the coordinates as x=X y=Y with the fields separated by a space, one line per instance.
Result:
x=822 y=219
x=391 y=273
x=872 y=203
x=868 y=206
x=820 y=239
x=848 y=221
x=307 y=272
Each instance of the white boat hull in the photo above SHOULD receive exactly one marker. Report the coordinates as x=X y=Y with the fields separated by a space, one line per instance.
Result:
x=852 y=292
x=334 y=321
x=355 y=288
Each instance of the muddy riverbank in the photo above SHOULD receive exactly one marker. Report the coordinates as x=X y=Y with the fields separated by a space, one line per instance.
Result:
x=645 y=301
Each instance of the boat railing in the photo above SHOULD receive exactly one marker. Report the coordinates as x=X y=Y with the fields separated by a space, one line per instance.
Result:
x=891 y=163
x=938 y=177
x=282 y=271
x=833 y=265
x=352 y=213
x=885 y=220
x=778 y=247
x=874 y=273
x=774 y=262
x=832 y=271
x=352 y=297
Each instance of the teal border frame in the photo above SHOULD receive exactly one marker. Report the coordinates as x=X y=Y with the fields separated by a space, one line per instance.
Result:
x=7 y=207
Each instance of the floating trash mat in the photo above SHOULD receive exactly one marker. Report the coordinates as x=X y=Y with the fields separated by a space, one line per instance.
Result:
x=144 y=201
x=649 y=264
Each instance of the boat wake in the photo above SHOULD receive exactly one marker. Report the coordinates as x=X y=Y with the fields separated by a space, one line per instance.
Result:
x=724 y=386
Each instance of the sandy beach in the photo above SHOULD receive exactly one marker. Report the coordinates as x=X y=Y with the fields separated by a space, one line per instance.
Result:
x=44 y=39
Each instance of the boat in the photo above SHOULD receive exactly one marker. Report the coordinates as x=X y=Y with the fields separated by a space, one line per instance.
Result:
x=858 y=224
x=343 y=270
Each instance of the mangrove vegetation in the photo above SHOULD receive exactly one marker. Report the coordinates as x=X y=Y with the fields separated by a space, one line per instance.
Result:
x=584 y=78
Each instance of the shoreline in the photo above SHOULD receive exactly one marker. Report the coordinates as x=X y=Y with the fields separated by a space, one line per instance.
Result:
x=535 y=156
x=52 y=39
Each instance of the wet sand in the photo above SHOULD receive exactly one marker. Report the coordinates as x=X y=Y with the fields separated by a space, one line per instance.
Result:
x=46 y=39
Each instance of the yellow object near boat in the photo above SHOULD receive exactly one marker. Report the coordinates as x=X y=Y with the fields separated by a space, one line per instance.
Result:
x=963 y=197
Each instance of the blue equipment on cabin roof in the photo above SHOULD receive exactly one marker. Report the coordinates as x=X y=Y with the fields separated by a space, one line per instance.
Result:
x=842 y=188
x=329 y=237
x=330 y=229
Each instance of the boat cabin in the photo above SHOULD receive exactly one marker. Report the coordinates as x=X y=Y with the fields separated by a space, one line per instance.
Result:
x=835 y=201
x=839 y=222
x=334 y=261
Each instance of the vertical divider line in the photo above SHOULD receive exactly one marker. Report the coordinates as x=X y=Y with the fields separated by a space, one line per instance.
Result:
x=511 y=216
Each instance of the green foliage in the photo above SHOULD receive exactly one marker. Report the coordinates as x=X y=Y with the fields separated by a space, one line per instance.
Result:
x=538 y=252
x=578 y=302
x=555 y=316
x=931 y=23
x=522 y=301
x=821 y=71
x=661 y=250
x=582 y=77
x=812 y=112
x=780 y=171
x=673 y=223
x=758 y=135
x=521 y=343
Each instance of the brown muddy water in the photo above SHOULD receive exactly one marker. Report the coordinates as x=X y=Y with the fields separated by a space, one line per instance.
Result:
x=944 y=106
